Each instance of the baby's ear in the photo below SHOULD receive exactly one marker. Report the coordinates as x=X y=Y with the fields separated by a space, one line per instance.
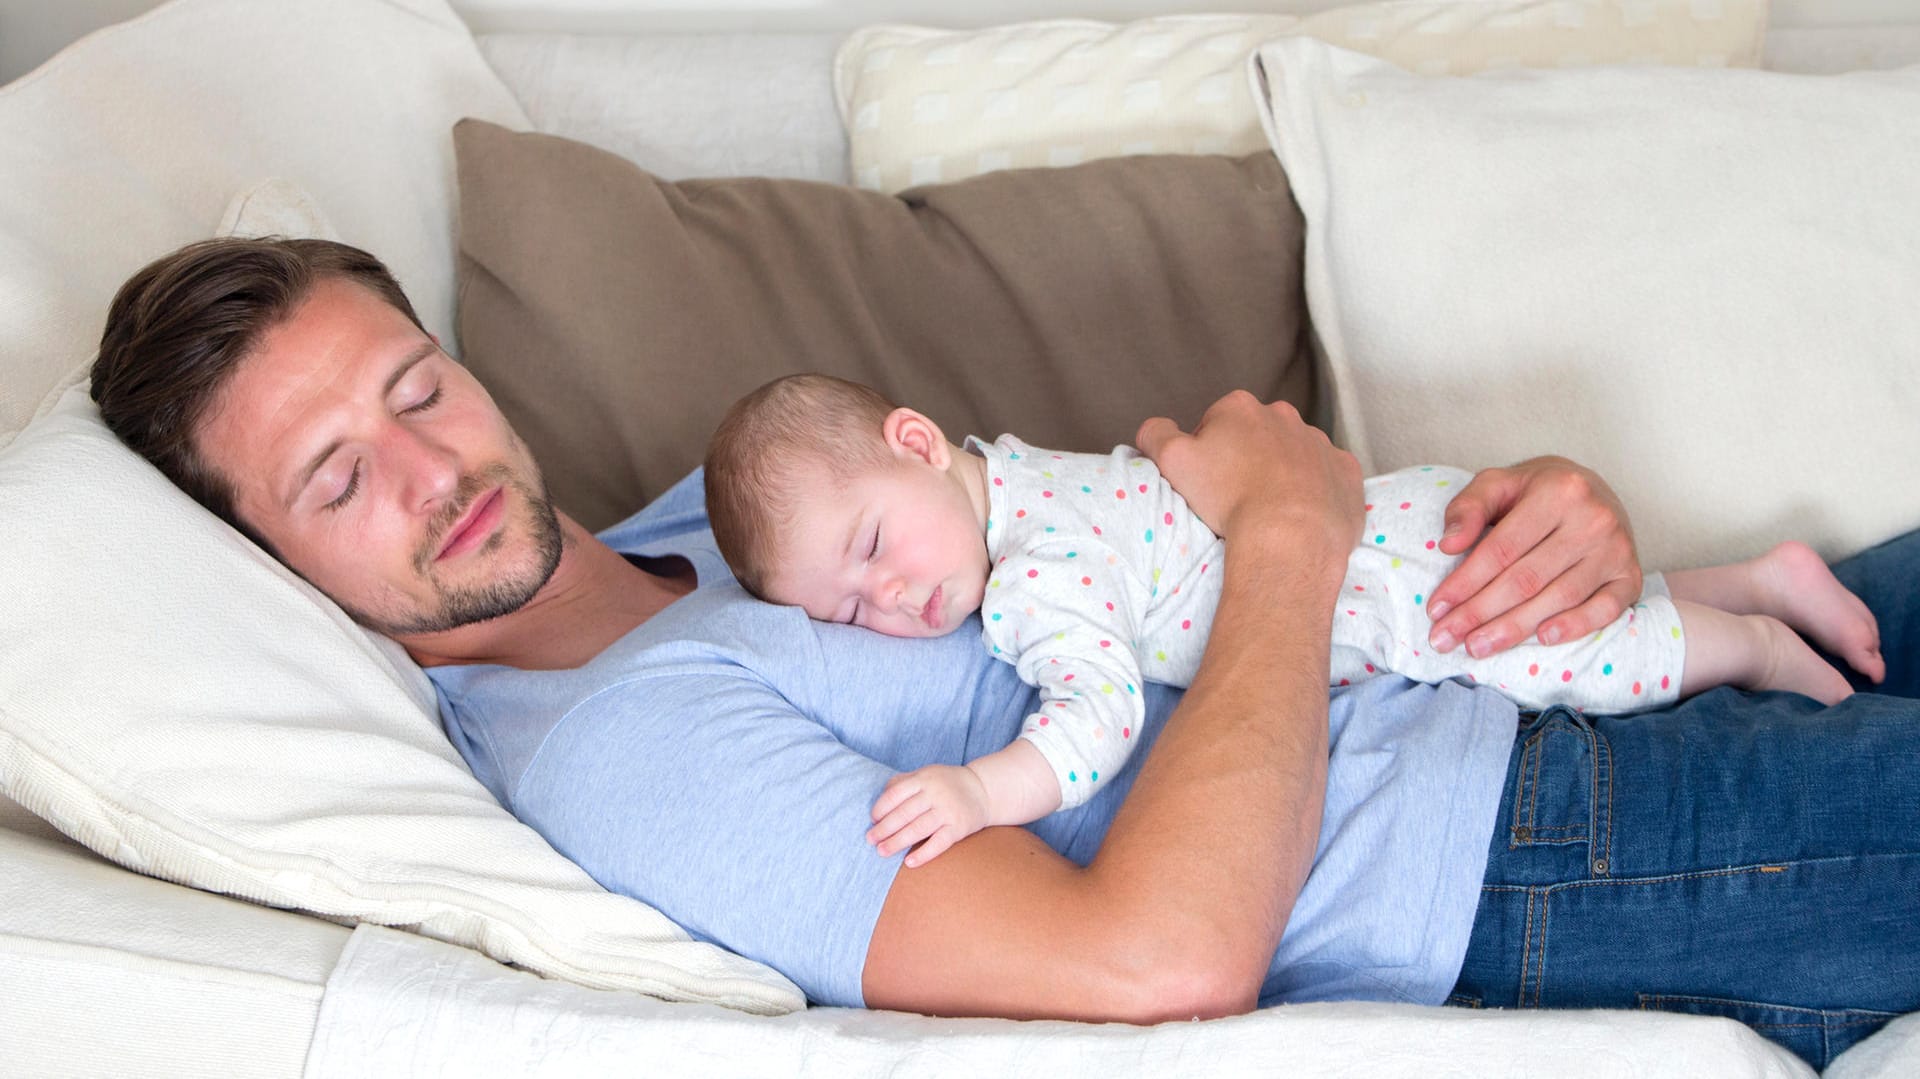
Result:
x=908 y=433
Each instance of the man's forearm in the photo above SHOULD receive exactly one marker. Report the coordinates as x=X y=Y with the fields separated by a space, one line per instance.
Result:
x=1180 y=912
x=1217 y=835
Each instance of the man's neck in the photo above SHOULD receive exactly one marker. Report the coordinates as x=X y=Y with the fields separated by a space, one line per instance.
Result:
x=594 y=598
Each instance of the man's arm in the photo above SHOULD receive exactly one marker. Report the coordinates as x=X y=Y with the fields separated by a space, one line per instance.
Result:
x=1180 y=912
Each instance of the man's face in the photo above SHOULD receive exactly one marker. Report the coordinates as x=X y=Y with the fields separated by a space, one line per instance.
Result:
x=380 y=470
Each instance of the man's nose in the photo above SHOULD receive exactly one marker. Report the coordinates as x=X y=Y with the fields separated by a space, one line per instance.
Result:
x=429 y=471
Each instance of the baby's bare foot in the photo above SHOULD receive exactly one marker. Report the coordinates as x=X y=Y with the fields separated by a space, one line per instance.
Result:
x=1792 y=583
x=1792 y=665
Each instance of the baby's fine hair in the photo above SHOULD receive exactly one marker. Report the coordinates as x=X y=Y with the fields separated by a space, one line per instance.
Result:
x=793 y=430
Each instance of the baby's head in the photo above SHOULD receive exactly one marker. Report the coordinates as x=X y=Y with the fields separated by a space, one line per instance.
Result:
x=826 y=496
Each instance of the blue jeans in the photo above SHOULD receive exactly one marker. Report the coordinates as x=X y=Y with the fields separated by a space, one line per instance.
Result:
x=1755 y=856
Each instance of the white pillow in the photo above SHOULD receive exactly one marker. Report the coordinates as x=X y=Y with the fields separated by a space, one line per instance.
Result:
x=128 y=144
x=925 y=106
x=1705 y=284
x=181 y=703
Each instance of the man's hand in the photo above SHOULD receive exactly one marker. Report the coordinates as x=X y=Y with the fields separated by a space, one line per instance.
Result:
x=1249 y=466
x=936 y=806
x=1559 y=558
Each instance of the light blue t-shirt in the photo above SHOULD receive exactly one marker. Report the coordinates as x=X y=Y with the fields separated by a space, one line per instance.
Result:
x=720 y=760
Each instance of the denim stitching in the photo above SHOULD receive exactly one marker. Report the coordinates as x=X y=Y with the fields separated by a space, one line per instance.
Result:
x=1533 y=779
x=1519 y=803
x=1826 y=1015
x=1602 y=834
x=1526 y=951
x=1540 y=982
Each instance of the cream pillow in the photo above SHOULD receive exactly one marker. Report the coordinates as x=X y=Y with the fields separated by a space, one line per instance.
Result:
x=181 y=703
x=925 y=106
x=1705 y=284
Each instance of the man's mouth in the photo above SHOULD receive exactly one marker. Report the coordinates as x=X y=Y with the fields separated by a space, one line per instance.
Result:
x=473 y=528
x=930 y=614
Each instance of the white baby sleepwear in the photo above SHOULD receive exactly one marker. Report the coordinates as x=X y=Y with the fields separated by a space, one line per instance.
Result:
x=1102 y=578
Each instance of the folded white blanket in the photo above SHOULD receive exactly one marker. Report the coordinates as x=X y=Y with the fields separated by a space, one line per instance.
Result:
x=399 y=1004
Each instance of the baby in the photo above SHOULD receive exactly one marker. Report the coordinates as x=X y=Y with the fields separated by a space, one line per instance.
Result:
x=1090 y=575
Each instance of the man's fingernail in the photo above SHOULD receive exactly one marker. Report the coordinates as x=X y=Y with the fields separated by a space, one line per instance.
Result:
x=1479 y=646
x=1452 y=527
x=1550 y=636
x=1437 y=610
x=1443 y=641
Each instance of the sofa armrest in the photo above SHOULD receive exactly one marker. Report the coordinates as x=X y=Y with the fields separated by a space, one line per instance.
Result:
x=111 y=973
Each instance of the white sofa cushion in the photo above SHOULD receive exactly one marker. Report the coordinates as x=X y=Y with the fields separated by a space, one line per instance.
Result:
x=110 y=973
x=924 y=106
x=1705 y=284
x=130 y=143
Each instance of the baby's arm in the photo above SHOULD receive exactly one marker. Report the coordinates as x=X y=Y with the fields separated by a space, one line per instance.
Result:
x=941 y=804
x=1068 y=618
x=1074 y=645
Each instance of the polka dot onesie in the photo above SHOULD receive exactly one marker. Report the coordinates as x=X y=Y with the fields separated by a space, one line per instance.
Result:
x=1102 y=578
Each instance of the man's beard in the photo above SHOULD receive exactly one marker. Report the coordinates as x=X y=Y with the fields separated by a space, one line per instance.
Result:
x=462 y=605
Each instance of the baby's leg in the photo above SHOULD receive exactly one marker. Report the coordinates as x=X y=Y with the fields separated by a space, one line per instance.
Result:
x=1751 y=651
x=1790 y=583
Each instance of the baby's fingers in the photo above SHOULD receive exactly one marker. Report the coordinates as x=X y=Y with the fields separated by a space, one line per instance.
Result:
x=903 y=828
x=940 y=840
x=900 y=788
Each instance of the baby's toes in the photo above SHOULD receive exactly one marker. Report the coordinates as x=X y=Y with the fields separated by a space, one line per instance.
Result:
x=1861 y=650
x=1873 y=665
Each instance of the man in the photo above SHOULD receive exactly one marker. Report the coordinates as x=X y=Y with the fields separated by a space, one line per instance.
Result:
x=717 y=757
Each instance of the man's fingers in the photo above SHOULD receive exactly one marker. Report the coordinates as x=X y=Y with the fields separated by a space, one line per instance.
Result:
x=1487 y=497
x=1154 y=434
x=1466 y=519
x=1484 y=585
x=1504 y=629
x=1597 y=612
x=1533 y=588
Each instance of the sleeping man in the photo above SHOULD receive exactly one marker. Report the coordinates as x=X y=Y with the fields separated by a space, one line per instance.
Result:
x=1748 y=855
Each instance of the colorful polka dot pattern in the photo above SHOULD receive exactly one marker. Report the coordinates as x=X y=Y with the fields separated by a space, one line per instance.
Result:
x=1096 y=548
x=1096 y=632
x=1383 y=618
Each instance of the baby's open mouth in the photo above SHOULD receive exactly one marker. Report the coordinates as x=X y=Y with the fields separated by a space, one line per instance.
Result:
x=930 y=614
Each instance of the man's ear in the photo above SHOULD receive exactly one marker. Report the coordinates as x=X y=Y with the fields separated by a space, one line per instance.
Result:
x=910 y=434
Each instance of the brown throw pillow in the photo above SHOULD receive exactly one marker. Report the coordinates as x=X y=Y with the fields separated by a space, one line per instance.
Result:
x=614 y=315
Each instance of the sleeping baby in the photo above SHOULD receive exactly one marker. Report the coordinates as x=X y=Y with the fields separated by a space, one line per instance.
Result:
x=1090 y=575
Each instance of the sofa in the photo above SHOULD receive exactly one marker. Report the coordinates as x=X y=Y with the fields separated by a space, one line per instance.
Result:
x=234 y=839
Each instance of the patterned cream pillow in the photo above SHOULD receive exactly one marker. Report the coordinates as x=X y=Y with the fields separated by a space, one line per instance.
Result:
x=926 y=106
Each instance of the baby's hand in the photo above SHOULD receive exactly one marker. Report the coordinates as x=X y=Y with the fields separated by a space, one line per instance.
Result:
x=936 y=806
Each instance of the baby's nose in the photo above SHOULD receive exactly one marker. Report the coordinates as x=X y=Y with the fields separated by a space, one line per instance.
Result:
x=887 y=595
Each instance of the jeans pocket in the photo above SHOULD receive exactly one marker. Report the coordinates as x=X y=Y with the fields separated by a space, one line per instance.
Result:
x=1562 y=790
x=1815 y=1035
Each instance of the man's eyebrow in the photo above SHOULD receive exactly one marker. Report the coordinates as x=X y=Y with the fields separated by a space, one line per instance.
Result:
x=407 y=362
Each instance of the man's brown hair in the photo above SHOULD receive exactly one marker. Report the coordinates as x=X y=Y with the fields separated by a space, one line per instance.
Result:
x=767 y=443
x=179 y=328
